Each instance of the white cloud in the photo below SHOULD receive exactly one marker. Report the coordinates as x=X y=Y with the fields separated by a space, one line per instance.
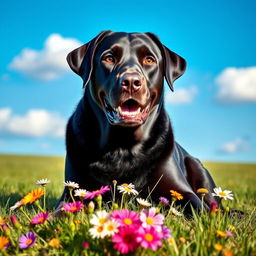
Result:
x=237 y=145
x=237 y=85
x=48 y=63
x=181 y=96
x=35 y=123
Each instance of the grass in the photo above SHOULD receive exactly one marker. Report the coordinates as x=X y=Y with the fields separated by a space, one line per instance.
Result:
x=195 y=236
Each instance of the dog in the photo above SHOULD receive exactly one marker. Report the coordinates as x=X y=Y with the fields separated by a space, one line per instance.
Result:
x=120 y=129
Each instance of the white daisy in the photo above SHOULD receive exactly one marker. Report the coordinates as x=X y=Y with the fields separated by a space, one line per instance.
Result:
x=226 y=194
x=175 y=212
x=71 y=184
x=16 y=205
x=143 y=202
x=80 y=192
x=127 y=189
x=99 y=218
x=98 y=231
x=111 y=227
x=43 y=182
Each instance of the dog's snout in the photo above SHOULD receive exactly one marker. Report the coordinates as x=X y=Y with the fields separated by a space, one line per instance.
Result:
x=131 y=81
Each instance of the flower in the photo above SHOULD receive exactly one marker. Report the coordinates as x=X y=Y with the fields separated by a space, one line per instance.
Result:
x=43 y=182
x=111 y=227
x=176 y=195
x=163 y=200
x=149 y=218
x=126 y=218
x=143 y=202
x=40 y=218
x=2 y=221
x=202 y=191
x=27 y=240
x=220 y=233
x=85 y=244
x=54 y=242
x=182 y=240
x=73 y=207
x=96 y=193
x=16 y=205
x=218 y=247
x=213 y=207
x=127 y=189
x=149 y=238
x=99 y=218
x=226 y=194
x=32 y=196
x=15 y=222
x=166 y=232
x=229 y=233
x=98 y=231
x=71 y=184
x=125 y=240
x=175 y=212
x=227 y=253
x=4 y=242
x=80 y=192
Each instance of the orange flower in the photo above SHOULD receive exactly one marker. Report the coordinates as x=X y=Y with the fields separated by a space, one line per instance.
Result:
x=3 y=242
x=220 y=233
x=55 y=242
x=32 y=196
x=202 y=191
x=227 y=253
x=2 y=221
x=176 y=195
x=182 y=240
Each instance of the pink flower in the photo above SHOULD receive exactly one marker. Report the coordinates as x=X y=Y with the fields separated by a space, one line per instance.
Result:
x=149 y=218
x=73 y=207
x=125 y=240
x=85 y=244
x=95 y=193
x=149 y=238
x=126 y=218
x=27 y=240
x=40 y=218
x=163 y=200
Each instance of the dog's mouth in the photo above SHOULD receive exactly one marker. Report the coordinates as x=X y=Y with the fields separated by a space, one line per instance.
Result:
x=127 y=113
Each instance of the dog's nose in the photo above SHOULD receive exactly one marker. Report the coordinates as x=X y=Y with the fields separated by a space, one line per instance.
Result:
x=131 y=82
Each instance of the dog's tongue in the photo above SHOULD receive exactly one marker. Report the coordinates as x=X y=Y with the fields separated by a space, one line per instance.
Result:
x=129 y=108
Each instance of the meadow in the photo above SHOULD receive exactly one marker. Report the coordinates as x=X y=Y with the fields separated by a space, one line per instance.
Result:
x=214 y=233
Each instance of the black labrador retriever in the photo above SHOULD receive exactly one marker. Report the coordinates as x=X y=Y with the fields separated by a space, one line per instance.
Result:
x=120 y=129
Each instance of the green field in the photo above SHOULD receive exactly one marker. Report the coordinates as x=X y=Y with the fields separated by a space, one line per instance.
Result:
x=19 y=173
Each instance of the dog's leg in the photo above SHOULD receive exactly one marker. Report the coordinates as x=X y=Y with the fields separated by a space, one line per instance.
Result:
x=199 y=177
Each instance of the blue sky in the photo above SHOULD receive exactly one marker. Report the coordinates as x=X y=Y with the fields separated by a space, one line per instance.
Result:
x=213 y=107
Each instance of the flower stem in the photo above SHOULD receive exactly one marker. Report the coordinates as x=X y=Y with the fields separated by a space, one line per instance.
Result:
x=71 y=194
x=39 y=206
x=21 y=208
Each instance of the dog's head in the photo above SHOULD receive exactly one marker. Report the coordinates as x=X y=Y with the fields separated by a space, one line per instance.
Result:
x=125 y=73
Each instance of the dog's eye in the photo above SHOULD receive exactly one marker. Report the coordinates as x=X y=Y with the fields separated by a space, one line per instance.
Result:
x=149 y=60
x=109 y=59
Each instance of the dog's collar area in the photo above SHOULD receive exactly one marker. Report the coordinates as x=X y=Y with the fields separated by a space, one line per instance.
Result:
x=128 y=113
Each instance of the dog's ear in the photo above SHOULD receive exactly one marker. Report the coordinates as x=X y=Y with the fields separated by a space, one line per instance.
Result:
x=80 y=60
x=174 y=65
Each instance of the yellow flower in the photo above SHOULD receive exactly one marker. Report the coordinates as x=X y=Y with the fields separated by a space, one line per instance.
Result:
x=4 y=241
x=202 y=191
x=220 y=233
x=32 y=196
x=55 y=242
x=218 y=247
x=176 y=195
x=171 y=240
x=231 y=228
x=2 y=221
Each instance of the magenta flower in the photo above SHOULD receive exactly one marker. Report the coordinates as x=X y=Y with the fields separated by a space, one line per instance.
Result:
x=40 y=218
x=27 y=240
x=73 y=207
x=126 y=218
x=125 y=240
x=163 y=200
x=149 y=238
x=149 y=218
x=95 y=193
